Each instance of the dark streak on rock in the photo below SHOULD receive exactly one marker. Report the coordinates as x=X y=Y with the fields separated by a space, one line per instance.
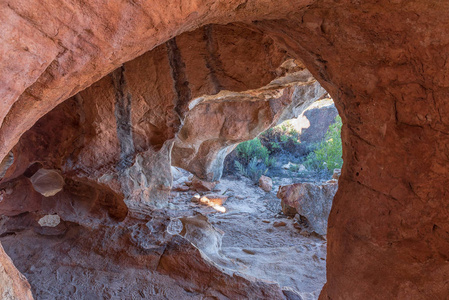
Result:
x=123 y=119
x=180 y=82
x=212 y=61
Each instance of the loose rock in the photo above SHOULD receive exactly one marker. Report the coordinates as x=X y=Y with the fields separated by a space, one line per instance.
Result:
x=265 y=183
x=337 y=173
x=202 y=186
x=279 y=224
x=50 y=220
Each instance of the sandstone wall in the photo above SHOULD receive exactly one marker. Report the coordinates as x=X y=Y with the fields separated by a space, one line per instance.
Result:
x=384 y=64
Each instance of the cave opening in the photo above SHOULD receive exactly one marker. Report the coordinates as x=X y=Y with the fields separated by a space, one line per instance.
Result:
x=267 y=215
x=95 y=175
x=178 y=70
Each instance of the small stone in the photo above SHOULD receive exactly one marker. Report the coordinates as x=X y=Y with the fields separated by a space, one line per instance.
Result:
x=180 y=188
x=279 y=224
x=297 y=226
x=249 y=251
x=49 y=221
x=337 y=173
x=266 y=221
x=265 y=183
x=175 y=226
x=287 y=166
x=196 y=198
x=291 y=294
x=202 y=186
x=305 y=233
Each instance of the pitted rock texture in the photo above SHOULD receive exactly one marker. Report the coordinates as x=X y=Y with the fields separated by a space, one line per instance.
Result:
x=382 y=62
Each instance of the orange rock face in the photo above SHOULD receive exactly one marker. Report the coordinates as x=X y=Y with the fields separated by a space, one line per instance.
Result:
x=384 y=64
x=13 y=284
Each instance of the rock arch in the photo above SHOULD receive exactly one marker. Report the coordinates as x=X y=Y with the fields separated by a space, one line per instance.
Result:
x=384 y=64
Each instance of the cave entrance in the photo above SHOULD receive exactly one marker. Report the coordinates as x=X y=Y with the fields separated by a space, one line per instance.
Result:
x=267 y=215
x=113 y=144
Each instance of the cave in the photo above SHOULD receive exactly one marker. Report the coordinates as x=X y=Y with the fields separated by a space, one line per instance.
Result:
x=100 y=98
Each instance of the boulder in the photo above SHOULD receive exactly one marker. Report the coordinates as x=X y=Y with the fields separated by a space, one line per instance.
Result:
x=49 y=221
x=311 y=201
x=265 y=183
x=315 y=121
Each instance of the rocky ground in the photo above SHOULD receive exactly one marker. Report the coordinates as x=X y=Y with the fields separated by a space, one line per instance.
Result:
x=143 y=257
x=258 y=240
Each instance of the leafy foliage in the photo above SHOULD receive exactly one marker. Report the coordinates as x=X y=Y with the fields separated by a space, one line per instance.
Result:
x=253 y=159
x=282 y=138
x=251 y=149
x=328 y=155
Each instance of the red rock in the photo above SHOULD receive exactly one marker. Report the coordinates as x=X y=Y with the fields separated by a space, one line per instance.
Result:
x=202 y=186
x=265 y=183
x=47 y=182
x=13 y=285
x=315 y=121
x=180 y=188
x=309 y=200
x=279 y=224
x=183 y=261
x=382 y=62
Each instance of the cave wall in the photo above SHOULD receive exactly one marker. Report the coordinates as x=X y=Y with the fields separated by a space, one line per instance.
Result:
x=384 y=64
x=117 y=135
x=385 y=231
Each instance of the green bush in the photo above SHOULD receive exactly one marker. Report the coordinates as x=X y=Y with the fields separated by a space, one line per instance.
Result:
x=252 y=148
x=253 y=159
x=253 y=171
x=282 y=138
x=329 y=154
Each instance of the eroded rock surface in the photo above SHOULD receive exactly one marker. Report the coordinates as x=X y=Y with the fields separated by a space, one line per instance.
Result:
x=215 y=125
x=13 y=285
x=382 y=62
x=47 y=182
x=312 y=201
